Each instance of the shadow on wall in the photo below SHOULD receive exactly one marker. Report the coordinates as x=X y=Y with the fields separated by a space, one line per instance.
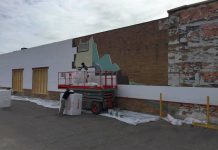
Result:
x=122 y=79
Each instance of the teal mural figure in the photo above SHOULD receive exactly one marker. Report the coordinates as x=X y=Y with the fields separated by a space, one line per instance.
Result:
x=101 y=64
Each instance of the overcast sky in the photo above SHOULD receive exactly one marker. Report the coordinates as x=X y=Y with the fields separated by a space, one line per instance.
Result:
x=29 y=23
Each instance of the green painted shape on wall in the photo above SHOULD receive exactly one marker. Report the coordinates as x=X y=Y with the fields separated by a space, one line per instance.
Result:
x=107 y=65
x=104 y=63
x=95 y=53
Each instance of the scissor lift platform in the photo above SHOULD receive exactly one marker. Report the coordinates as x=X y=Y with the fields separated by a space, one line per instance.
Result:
x=96 y=97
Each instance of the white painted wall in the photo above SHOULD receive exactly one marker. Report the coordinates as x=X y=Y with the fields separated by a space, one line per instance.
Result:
x=57 y=56
x=174 y=94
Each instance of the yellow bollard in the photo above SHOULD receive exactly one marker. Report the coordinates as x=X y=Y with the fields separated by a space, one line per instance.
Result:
x=207 y=125
x=208 y=109
x=161 y=105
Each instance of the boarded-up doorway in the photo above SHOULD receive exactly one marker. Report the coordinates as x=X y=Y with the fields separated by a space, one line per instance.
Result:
x=17 y=80
x=40 y=80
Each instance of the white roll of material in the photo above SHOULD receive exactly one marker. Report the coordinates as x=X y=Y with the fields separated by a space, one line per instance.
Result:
x=5 y=98
x=73 y=105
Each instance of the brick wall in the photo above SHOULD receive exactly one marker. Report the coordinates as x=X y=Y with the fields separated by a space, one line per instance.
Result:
x=140 y=51
x=193 y=46
x=177 y=110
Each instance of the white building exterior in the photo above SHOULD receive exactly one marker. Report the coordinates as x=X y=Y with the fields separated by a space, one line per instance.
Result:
x=57 y=57
x=193 y=95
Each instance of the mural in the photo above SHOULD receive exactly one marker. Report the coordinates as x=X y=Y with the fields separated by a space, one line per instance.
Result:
x=139 y=58
x=87 y=53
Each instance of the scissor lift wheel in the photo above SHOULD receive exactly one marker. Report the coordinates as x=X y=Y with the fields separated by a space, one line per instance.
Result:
x=96 y=108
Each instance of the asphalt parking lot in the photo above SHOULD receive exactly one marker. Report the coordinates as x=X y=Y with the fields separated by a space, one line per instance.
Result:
x=27 y=126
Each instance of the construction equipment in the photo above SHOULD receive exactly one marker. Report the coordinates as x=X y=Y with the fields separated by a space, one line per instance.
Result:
x=97 y=87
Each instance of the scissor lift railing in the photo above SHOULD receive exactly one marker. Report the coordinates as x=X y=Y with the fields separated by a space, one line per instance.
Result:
x=98 y=88
x=87 y=80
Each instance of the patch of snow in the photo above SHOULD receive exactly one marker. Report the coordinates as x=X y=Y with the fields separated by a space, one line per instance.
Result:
x=190 y=120
x=5 y=100
x=179 y=122
x=42 y=102
x=130 y=117
x=173 y=121
x=198 y=112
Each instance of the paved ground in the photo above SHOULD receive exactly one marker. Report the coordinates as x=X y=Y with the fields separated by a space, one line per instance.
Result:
x=26 y=126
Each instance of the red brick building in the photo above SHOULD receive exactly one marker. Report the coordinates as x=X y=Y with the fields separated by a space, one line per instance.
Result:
x=181 y=50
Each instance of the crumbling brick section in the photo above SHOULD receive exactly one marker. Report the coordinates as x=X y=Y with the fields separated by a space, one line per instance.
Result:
x=140 y=51
x=193 y=46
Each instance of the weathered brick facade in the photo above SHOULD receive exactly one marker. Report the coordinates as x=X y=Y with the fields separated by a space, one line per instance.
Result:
x=193 y=45
x=139 y=50
x=181 y=50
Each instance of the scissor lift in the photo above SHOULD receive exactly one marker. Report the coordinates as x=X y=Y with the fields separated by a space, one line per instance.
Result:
x=98 y=88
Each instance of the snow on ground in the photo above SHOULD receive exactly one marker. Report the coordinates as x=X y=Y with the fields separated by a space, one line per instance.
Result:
x=38 y=101
x=129 y=117
x=179 y=122
x=198 y=112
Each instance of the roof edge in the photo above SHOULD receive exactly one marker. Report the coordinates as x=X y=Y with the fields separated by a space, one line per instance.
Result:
x=120 y=28
x=191 y=5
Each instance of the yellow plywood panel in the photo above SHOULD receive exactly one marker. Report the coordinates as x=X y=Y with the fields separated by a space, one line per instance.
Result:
x=17 y=80
x=40 y=80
